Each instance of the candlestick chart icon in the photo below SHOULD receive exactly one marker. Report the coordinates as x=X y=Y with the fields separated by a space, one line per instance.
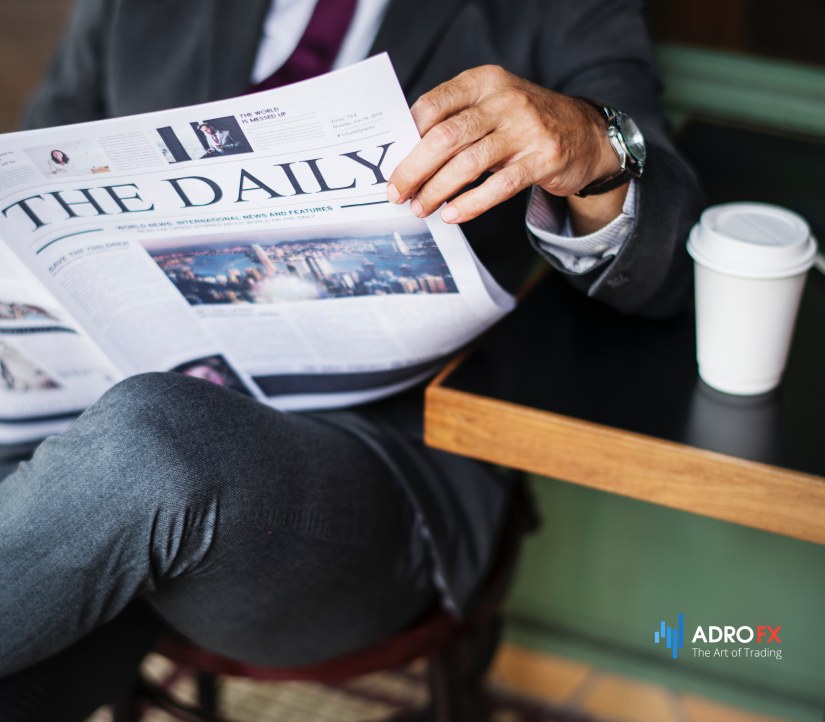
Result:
x=673 y=637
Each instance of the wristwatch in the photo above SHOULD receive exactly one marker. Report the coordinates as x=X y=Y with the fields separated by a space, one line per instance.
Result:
x=629 y=144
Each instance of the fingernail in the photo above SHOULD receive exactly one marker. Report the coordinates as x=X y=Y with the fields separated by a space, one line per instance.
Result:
x=393 y=194
x=449 y=214
x=417 y=208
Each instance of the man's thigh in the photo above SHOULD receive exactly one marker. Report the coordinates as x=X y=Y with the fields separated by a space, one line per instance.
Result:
x=276 y=538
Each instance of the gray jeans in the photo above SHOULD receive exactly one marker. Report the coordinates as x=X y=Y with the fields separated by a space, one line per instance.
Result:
x=274 y=538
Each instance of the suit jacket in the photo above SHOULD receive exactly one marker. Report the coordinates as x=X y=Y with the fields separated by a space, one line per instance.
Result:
x=131 y=56
x=219 y=140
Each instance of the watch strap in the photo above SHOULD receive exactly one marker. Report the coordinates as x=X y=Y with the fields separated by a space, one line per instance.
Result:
x=603 y=185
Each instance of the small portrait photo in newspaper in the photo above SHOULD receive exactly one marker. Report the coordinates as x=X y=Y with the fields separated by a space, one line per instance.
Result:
x=207 y=138
x=70 y=158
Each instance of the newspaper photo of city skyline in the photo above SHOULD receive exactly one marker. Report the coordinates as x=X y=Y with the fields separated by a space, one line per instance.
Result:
x=353 y=262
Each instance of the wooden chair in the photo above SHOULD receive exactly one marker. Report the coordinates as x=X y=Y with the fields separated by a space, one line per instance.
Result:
x=457 y=653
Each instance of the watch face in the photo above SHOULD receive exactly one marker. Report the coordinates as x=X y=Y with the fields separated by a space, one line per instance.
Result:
x=633 y=139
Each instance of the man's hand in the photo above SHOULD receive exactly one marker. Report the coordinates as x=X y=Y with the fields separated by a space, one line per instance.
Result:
x=487 y=119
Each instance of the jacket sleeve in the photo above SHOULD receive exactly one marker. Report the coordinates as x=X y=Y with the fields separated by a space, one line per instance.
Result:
x=600 y=49
x=73 y=89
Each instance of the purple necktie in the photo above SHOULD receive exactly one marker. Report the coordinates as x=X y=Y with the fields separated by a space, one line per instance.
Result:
x=319 y=46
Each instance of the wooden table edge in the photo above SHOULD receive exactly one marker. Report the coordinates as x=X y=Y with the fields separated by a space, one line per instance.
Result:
x=622 y=462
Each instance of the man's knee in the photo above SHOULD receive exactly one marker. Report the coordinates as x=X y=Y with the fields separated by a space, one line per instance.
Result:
x=148 y=397
x=137 y=438
x=192 y=434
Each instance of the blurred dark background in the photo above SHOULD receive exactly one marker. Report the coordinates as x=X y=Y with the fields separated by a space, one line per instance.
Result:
x=29 y=30
x=790 y=30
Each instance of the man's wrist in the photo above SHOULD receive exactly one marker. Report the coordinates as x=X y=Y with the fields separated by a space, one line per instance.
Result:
x=627 y=144
x=550 y=221
x=590 y=213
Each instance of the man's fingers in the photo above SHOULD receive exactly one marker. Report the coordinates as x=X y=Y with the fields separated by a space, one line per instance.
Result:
x=436 y=148
x=499 y=187
x=446 y=99
x=484 y=119
x=461 y=170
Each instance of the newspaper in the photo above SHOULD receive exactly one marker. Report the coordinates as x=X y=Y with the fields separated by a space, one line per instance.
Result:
x=246 y=241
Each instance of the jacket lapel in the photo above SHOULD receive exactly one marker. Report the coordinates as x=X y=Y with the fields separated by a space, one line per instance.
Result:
x=409 y=31
x=235 y=33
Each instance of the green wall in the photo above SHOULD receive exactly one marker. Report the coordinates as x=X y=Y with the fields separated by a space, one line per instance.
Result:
x=603 y=570
x=785 y=96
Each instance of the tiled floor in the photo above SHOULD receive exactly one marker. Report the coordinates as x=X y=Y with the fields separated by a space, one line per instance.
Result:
x=528 y=685
x=607 y=697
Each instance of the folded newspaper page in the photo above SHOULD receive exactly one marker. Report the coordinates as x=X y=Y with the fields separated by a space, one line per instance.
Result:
x=247 y=241
x=49 y=368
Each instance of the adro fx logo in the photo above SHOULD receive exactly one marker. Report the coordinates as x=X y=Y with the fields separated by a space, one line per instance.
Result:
x=762 y=635
x=674 y=637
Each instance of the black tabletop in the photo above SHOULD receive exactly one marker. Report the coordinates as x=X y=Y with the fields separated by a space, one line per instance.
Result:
x=564 y=353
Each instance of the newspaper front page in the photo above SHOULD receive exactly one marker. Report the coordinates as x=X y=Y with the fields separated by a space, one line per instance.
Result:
x=246 y=241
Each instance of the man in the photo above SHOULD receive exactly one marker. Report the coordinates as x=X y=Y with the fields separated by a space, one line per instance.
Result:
x=218 y=141
x=291 y=538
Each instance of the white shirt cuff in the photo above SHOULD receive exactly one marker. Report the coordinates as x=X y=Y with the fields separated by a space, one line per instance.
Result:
x=549 y=222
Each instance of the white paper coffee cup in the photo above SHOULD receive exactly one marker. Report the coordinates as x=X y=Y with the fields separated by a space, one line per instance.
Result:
x=751 y=260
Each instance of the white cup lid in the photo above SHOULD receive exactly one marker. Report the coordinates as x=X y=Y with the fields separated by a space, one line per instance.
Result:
x=752 y=240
